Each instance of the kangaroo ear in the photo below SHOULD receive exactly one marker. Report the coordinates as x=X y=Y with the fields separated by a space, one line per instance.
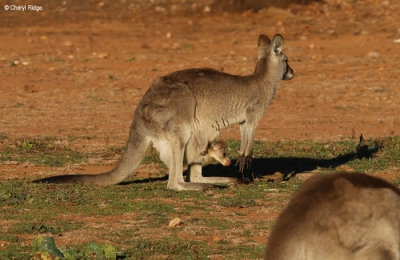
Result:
x=222 y=145
x=263 y=40
x=263 y=45
x=277 y=43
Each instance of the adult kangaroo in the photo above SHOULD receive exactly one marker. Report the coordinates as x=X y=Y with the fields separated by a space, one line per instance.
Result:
x=183 y=111
x=346 y=216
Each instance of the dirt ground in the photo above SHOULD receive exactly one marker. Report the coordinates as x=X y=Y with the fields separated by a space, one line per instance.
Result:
x=80 y=69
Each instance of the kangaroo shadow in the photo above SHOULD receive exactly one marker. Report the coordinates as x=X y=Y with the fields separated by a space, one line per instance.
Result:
x=288 y=166
x=147 y=180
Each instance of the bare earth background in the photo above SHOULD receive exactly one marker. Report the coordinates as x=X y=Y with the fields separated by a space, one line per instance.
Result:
x=79 y=68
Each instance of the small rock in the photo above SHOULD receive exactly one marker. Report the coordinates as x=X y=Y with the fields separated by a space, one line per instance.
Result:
x=175 y=222
x=168 y=35
x=206 y=9
x=396 y=41
x=145 y=46
x=102 y=55
x=373 y=55
x=68 y=44
x=303 y=37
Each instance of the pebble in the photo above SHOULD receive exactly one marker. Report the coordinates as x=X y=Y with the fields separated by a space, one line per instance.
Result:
x=68 y=44
x=102 y=55
x=396 y=41
x=175 y=222
x=373 y=55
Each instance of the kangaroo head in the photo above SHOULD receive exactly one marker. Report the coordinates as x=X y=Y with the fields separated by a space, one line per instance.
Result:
x=218 y=152
x=272 y=52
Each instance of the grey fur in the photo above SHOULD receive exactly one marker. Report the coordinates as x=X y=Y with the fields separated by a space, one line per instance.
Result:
x=340 y=216
x=183 y=111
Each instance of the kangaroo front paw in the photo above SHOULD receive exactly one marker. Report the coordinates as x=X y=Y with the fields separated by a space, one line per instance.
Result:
x=244 y=162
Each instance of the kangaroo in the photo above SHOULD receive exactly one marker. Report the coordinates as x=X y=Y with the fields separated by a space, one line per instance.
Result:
x=183 y=111
x=339 y=216
x=217 y=150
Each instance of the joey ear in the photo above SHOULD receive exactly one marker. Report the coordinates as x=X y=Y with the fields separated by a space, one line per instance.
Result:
x=277 y=43
x=222 y=144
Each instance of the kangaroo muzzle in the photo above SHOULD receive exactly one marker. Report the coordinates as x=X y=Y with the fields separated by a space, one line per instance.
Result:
x=289 y=74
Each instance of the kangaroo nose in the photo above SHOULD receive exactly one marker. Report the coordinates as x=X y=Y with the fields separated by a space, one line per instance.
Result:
x=227 y=163
x=289 y=74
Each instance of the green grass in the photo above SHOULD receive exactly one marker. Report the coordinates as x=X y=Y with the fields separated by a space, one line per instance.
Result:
x=3 y=136
x=41 y=151
x=132 y=219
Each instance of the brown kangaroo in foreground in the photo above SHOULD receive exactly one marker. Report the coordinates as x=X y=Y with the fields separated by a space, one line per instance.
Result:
x=339 y=216
x=183 y=111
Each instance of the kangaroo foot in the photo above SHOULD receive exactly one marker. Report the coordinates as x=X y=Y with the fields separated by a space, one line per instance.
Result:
x=191 y=186
x=244 y=162
x=217 y=180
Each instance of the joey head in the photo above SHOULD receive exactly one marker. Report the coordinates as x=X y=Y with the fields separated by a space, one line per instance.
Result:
x=217 y=150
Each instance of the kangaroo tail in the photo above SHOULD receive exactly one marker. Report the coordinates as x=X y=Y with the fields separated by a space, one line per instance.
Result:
x=131 y=159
